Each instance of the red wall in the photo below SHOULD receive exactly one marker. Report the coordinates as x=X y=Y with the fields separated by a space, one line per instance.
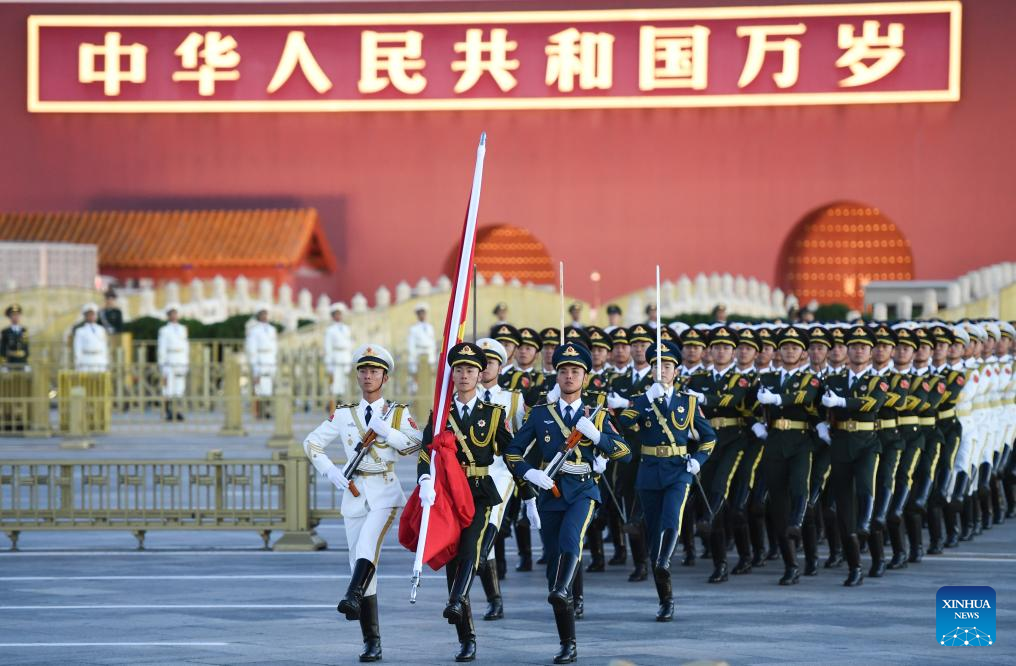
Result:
x=693 y=189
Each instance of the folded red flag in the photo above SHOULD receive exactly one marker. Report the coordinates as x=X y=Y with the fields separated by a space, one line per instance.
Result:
x=452 y=511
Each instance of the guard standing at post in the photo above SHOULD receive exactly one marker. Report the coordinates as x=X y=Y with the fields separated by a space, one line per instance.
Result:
x=14 y=340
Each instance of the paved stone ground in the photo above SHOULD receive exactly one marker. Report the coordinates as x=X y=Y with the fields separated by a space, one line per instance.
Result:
x=216 y=598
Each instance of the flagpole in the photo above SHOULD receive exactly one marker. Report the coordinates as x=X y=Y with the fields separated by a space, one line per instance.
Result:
x=454 y=330
x=476 y=297
x=561 y=289
x=659 y=334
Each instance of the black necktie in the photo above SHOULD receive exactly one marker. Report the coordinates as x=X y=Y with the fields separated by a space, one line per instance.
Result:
x=465 y=412
x=568 y=413
x=367 y=413
x=486 y=395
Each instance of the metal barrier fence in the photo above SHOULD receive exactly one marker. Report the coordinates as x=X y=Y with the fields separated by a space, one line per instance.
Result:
x=280 y=493
x=218 y=397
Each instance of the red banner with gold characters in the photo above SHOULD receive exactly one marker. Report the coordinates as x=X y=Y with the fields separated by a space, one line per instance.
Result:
x=892 y=52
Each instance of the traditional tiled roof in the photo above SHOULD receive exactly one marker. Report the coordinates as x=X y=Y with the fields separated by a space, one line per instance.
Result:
x=183 y=238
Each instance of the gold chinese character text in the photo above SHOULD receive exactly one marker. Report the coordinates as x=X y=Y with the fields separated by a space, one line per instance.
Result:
x=219 y=53
x=887 y=52
x=394 y=54
x=296 y=52
x=474 y=64
x=759 y=45
x=111 y=53
x=588 y=55
x=673 y=57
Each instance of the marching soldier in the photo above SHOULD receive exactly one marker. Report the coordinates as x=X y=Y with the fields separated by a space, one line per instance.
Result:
x=947 y=362
x=338 y=351
x=853 y=401
x=788 y=398
x=819 y=344
x=173 y=356
x=508 y=336
x=721 y=394
x=262 y=347
x=367 y=513
x=481 y=434
x=620 y=351
x=566 y=513
x=91 y=349
x=492 y=548
x=675 y=440
x=14 y=340
x=693 y=351
x=625 y=387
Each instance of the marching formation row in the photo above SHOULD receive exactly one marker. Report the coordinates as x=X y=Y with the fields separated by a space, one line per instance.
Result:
x=764 y=437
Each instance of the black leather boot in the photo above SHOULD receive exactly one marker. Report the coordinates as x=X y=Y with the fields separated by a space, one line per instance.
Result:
x=865 y=504
x=834 y=538
x=997 y=515
x=914 y=525
x=620 y=556
x=791 y=572
x=169 y=410
x=967 y=519
x=718 y=548
x=524 y=541
x=561 y=590
x=852 y=553
x=492 y=590
x=499 y=557
x=564 y=617
x=467 y=635
x=371 y=629
x=639 y=553
x=935 y=540
x=742 y=541
x=952 y=535
x=665 y=592
x=598 y=562
x=363 y=571
x=774 y=543
x=899 y=560
x=578 y=598
x=876 y=546
x=880 y=513
x=809 y=542
x=458 y=597
x=921 y=493
x=798 y=507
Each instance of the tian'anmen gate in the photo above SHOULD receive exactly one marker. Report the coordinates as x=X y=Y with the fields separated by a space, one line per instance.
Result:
x=769 y=135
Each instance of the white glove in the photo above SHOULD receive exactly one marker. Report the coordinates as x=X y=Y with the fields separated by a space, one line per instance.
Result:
x=698 y=396
x=586 y=427
x=693 y=466
x=380 y=426
x=539 y=478
x=428 y=492
x=823 y=432
x=614 y=401
x=760 y=430
x=339 y=481
x=599 y=465
x=531 y=512
x=765 y=396
x=655 y=392
x=554 y=394
x=831 y=400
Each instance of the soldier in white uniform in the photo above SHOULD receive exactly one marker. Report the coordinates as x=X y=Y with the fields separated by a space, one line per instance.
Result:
x=515 y=411
x=421 y=341
x=262 y=347
x=91 y=348
x=368 y=516
x=338 y=351
x=173 y=357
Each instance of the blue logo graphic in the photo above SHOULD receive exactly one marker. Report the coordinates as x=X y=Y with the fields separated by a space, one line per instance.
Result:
x=965 y=616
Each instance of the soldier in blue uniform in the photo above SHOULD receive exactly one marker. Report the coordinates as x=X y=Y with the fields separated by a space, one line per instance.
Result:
x=667 y=423
x=565 y=516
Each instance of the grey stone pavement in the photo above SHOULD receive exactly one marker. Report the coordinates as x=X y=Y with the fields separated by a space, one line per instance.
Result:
x=217 y=598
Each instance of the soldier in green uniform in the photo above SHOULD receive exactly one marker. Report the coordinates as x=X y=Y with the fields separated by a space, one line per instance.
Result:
x=523 y=374
x=948 y=348
x=694 y=343
x=853 y=401
x=509 y=338
x=788 y=398
x=721 y=394
x=837 y=365
x=481 y=433
x=819 y=344
x=14 y=340
x=933 y=387
x=898 y=451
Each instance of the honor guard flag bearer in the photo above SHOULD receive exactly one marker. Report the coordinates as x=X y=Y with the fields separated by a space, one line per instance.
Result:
x=372 y=492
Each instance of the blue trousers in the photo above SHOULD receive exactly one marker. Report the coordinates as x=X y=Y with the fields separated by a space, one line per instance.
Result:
x=562 y=531
x=663 y=509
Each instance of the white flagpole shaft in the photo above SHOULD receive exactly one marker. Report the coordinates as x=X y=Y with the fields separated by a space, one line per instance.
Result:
x=561 y=289
x=659 y=335
x=421 y=544
x=458 y=306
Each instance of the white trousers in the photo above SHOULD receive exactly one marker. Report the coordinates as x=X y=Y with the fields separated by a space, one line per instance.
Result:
x=505 y=484
x=364 y=534
x=174 y=381
x=263 y=383
x=340 y=380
